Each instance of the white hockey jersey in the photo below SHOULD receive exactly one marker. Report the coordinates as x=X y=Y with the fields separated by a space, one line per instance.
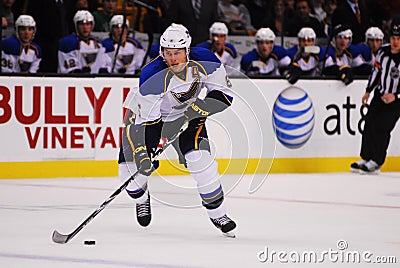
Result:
x=75 y=54
x=19 y=59
x=130 y=55
x=227 y=56
x=166 y=95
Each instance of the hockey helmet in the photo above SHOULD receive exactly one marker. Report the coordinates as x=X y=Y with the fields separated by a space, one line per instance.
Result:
x=306 y=33
x=395 y=27
x=118 y=20
x=25 y=21
x=374 y=33
x=265 y=34
x=175 y=36
x=218 y=28
x=83 y=16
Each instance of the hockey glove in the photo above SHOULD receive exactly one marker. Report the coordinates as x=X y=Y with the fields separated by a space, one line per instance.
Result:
x=122 y=70
x=86 y=70
x=143 y=161
x=346 y=74
x=293 y=73
x=198 y=109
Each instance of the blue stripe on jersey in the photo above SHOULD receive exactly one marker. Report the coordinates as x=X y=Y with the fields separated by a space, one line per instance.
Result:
x=11 y=46
x=108 y=44
x=206 y=58
x=151 y=81
x=279 y=51
x=69 y=43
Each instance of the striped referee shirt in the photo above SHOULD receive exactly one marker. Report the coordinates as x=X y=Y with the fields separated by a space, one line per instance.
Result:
x=385 y=74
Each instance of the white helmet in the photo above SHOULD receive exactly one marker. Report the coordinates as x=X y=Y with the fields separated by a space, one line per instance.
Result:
x=118 y=20
x=218 y=28
x=374 y=33
x=175 y=36
x=306 y=33
x=25 y=21
x=265 y=34
x=84 y=16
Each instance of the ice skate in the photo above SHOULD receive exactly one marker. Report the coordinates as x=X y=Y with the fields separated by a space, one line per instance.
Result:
x=225 y=224
x=356 y=166
x=371 y=167
x=143 y=213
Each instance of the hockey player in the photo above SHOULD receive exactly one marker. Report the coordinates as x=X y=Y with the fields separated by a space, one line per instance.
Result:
x=225 y=52
x=365 y=53
x=130 y=53
x=80 y=52
x=168 y=92
x=20 y=53
x=384 y=109
x=339 y=56
x=305 y=56
x=267 y=58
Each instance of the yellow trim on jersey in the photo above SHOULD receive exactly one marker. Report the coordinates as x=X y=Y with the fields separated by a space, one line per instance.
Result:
x=201 y=66
x=196 y=138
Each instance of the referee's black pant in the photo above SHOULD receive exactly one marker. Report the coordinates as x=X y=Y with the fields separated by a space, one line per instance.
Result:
x=380 y=120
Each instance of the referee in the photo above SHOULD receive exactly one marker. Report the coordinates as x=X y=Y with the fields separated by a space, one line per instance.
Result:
x=384 y=109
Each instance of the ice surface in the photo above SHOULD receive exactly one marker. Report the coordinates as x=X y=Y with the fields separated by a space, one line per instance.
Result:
x=289 y=213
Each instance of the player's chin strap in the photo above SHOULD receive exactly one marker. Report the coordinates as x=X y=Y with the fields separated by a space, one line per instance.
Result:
x=63 y=239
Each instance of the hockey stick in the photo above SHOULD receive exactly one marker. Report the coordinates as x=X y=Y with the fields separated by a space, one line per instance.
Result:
x=124 y=26
x=63 y=239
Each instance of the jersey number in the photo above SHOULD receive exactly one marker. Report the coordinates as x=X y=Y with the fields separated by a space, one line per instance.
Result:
x=6 y=63
x=69 y=64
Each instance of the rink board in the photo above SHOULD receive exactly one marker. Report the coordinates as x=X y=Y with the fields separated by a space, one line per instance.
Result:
x=71 y=126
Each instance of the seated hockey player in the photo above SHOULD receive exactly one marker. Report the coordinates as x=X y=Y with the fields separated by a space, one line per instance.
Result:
x=168 y=96
x=266 y=58
x=338 y=57
x=20 y=53
x=305 y=56
x=130 y=52
x=225 y=52
x=365 y=53
x=81 y=52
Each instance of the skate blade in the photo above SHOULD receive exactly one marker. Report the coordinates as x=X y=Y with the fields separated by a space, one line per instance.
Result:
x=354 y=170
x=375 y=172
x=229 y=234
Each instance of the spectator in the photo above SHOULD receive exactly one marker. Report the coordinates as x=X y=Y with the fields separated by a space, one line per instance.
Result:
x=231 y=16
x=305 y=56
x=289 y=7
x=303 y=18
x=278 y=22
x=52 y=22
x=20 y=53
x=337 y=59
x=318 y=6
x=266 y=58
x=225 y=52
x=246 y=19
x=366 y=52
x=384 y=109
x=353 y=14
x=130 y=52
x=197 y=19
x=103 y=17
x=7 y=18
x=330 y=7
x=80 y=52
x=259 y=11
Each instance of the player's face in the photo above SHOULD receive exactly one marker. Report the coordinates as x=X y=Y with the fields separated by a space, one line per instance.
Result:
x=265 y=47
x=342 y=42
x=85 y=28
x=25 y=34
x=218 y=41
x=175 y=58
x=374 y=44
x=306 y=42
x=116 y=32
x=395 y=44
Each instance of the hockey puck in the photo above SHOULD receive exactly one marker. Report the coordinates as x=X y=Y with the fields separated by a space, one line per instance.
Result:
x=89 y=242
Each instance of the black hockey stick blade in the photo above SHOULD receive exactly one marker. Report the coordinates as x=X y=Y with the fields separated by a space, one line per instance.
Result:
x=60 y=238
